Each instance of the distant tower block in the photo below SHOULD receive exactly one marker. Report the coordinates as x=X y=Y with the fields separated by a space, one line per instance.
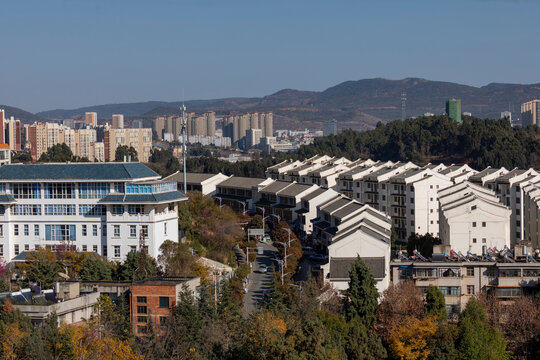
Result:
x=210 y=123
x=403 y=105
x=268 y=124
x=118 y=121
x=453 y=109
x=91 y=118
x=254 y=121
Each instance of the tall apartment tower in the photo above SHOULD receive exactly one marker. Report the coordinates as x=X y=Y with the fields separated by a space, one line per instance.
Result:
x=139 y=139
x=198 y=125
x=210 y=123
x=329 y=127
x=91 y=118
x=453 y=109
x=2 y=117
x=530 y=113
x=158 y=125
x=12 y=132
x=118 y=121
x=266 y=123
x=254 y=121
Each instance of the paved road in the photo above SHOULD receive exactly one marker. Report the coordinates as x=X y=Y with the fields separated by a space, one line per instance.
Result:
x=259 y=282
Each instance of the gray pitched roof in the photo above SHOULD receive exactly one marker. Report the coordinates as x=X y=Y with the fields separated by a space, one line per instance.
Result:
x=275 y=187
x=76 y=171
x=314 y=194
x=336 y=205
x=295 y=189
x=340 y=267
x=169 y=196
x=241 y=182
x=194 y=178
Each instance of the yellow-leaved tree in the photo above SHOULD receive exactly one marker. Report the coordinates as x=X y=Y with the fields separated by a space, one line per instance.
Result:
x=12 y=341
x=409 y=341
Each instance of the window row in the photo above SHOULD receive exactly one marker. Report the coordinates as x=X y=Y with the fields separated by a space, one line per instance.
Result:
x=70 y=209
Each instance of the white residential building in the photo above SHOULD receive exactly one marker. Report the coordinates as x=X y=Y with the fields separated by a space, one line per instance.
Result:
x=99 y=207
x=471 y=217
x=458 y=173
x=346 y=230
x=204 y=183
x=531 y=212
x=310 y=204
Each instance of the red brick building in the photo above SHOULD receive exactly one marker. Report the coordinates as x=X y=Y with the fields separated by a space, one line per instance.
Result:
x=152 y=300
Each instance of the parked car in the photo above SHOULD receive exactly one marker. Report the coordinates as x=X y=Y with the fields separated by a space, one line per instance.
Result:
x=263 y=268
x=307 y=249
x=319 y=257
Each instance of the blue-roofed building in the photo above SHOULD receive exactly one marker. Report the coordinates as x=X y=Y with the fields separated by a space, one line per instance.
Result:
x=98 y=207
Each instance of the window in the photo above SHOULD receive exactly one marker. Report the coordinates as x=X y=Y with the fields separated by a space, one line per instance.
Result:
x=474 y=240
x=412 y=200
x=142 y=329
x=92 y=210
x=116 y=230
x=104 y=250
x=16 y=230
x=116 y=251
x=453 y=272
x=60 y=191
x=412 y=211
x=36 y=230
x=104 y=230
x=26 y=247
x=1 y=250
x=94 y=248
x=16 y=249
x=118 y=209
x=2 y=209
x=60 y=209
x=119 y=187
x=27 y=209
x=135 y=209
x=141 y=319
x=141 y=309
x=1 y=230
x=132 y=230
x=26 y=191
x=507 y=292
x=474 y=224
x=431 y=222
x=531 y=272
x=94 y=230
x=483 y=224
x=517 y=212
x=141 y=299
x=165 y=228
x=145 y=230
x=84 y=248
x=470 y=271
x=60 y=232
x=26 y=230
x=162 y=320
x=84 y=230
x=483 y=240
x=93 y=190
x=509 y=272
x=450 y=290
x=470 y=289
x=164 y=302
x=431 y=211
x=133 y=248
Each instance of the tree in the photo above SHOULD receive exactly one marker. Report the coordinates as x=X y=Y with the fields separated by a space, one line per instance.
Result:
x=399 y=303
x=361 y=345
x=422 y=243
x=362 y=294
x=176 y=259
x=96 y=269
x=41 y=267
x=476 y=340
x=410 y=340
x=57 y=343
x=127 y=270
x=57 y=153
x=124 y=152
x=11 y=341
x=435 y=304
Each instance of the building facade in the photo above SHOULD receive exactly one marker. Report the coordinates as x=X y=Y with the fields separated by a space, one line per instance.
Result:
x=453 y=109
x=102 y=208
x=530 y=113
x=139 y=139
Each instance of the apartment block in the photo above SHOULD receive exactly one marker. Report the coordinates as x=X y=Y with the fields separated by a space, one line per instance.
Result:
x=531 y=213
x=90 y=118
x=139 y=139
x=308 y=211
x=98 y=207
x=118 y=121
x=530 y=113
x=204 y=183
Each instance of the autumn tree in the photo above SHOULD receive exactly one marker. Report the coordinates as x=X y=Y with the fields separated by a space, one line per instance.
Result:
x=476 y=340
x=362 y=295
x=41 y=267
x=410 y=340
x=176 y=259
x=399 y=302
x=11 y=341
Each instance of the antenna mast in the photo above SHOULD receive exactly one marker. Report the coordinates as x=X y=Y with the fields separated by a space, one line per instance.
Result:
x=184 y=149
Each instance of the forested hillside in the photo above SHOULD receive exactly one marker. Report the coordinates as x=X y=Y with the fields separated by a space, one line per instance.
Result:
x=479 y=142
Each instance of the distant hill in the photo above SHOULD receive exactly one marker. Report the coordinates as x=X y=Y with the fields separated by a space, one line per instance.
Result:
x=25 y=116
x=355 y=104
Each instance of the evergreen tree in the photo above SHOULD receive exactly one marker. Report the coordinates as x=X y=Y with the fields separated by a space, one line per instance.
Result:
x=476 y=340
x=435 y=304
x=126 y=270
x=362 y=294
x=41 y=267
x=57 y=344
x=95 y=269
x=57 y=153
x=125 y=151
x=363 y=345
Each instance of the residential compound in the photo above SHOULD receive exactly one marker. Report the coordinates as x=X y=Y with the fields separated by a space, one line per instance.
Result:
x=10 y=132
x=530 y=113
x=236 y=127
x=104 y=208
x=170 y=127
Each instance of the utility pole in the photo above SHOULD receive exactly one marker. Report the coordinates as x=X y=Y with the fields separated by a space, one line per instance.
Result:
x=403 y=105
x=184 y=148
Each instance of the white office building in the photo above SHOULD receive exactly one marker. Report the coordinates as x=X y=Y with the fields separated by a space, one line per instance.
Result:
x=99 y=207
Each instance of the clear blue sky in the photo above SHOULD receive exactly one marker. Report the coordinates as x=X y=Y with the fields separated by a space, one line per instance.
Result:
x=72 y=53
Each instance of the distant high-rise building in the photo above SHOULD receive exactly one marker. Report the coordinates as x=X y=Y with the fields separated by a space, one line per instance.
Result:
x=507 y=114
x=2 y=117
x=210 y=123
x=118 y=121
x=158 y=125
x=137 y=124
x=198 y=125
x=91 y=118
x=530 y=113
x=268 y=124
x=12 y=133
x=139 y=139
x=329 y=127
x=453 y=109
x=253 y=137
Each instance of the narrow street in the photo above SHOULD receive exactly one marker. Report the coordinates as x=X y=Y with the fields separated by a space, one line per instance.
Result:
x=259 y=282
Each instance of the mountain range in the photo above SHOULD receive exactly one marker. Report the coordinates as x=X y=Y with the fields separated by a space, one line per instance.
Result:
x=355 y=104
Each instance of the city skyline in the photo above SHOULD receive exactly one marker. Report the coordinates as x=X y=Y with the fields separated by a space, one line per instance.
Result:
x=67 y=55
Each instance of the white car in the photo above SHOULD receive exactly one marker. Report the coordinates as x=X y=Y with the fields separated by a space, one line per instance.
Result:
x=263 y=269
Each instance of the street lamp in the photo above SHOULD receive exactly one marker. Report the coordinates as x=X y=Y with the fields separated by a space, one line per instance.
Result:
x=243 y=205
x=217 y=197
x=263 y=210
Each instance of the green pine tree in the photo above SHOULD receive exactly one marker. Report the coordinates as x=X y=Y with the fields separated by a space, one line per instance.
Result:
x=362 y=294
x=435 y=304
x=362 y=345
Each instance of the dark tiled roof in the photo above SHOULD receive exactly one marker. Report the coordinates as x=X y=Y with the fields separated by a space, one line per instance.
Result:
x=295 y=189
x=283 y=206
x=143 y=198
x=194 y=178
x=6 y=198
x=241 y=182
x=338 y=204
x=314 y=194
x=340 y=267
x=275 y=187
x=76 y=171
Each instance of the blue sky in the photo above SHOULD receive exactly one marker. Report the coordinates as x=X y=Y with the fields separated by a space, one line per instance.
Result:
x=72 y=53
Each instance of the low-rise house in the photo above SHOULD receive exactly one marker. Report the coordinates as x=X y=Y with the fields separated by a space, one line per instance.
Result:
x=152 y=301
x=531 y=213
x=458 y=173
x=308 y=210
x=240 y=193
x=486 y=175
x=471 y=217
x=204 y=183
x=282 y=199
x=346 y=180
